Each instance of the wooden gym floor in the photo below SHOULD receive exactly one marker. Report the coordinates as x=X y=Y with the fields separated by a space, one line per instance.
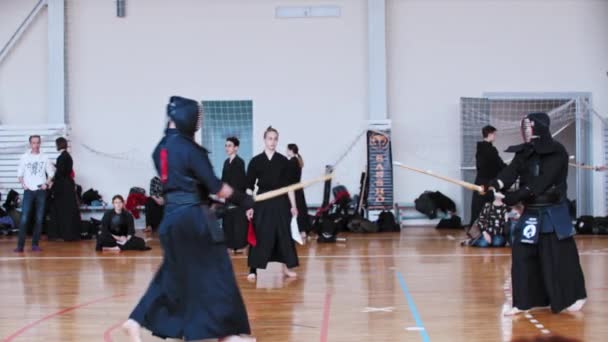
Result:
x=419 y=285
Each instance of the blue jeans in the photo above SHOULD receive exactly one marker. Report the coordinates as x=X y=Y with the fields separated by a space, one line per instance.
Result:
x=497 y=241
x=33 y=202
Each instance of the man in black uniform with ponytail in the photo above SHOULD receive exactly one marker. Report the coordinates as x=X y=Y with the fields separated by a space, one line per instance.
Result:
x=545 y=264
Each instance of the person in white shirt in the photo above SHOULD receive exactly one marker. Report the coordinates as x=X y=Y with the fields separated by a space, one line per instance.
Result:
x=35 y=173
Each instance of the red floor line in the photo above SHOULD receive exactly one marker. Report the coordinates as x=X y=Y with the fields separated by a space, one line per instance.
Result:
x=107 y=335
x=53 y=315
x=325 y=323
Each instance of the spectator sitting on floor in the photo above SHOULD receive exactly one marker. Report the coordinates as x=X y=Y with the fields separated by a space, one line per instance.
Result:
x=118 y=230
x=488 y=229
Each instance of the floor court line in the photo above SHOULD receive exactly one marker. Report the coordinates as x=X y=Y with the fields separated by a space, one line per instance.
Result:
x=107 y=335
x=413 y=309
x=381 y=256
x=325 y=322
x=27 y=327
x=127 y=257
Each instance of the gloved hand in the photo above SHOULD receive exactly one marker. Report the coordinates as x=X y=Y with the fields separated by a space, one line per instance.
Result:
x=487 y=195
x=496 y=184
x=514 y=197
x=242 y=200
x=498 y=195
x=248 y=202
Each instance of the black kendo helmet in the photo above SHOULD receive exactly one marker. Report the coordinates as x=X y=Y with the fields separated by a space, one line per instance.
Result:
x=540 y=123
x=185 y=113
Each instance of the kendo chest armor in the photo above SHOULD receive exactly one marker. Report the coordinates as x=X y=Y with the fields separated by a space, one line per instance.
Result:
x=530 y=172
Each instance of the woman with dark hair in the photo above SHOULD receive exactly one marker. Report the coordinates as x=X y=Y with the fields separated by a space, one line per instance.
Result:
x=118 y=230
x=65 y=215
x=295 y=176
x=271 y=218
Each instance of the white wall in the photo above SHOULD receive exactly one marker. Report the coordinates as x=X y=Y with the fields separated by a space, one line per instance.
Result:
x=441 y=50
x=23 y=73
x=306 y=77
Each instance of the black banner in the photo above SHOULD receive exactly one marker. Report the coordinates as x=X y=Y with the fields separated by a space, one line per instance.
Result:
x=379 y=170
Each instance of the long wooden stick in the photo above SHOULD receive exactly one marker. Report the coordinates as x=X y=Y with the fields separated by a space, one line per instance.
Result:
x=582 y=166
x=282 y=191
x=463 y=184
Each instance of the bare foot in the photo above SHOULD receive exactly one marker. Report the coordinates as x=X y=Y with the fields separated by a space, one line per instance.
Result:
x=512 y=312
x=132 y=329
x=577 y=306
x=111 y=249
x=237 y=338
x=487 y=237
x=289 y=273
x=251 y=277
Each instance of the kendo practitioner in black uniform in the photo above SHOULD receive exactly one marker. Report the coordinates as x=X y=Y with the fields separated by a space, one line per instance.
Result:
x=235 y=219
x=296 y=164
x=488 y=164
x=545 y=267
x=269 y=170
x=194 y=295
x=64 y=210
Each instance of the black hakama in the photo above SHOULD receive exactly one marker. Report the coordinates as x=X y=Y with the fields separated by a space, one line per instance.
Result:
x=304 y=223
x=65 y=221
x=235 y=219
x=135 y=243
x=272 y=218
x=235 y=228
x=194 y=294
x=547 y=272
x=154 y=213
